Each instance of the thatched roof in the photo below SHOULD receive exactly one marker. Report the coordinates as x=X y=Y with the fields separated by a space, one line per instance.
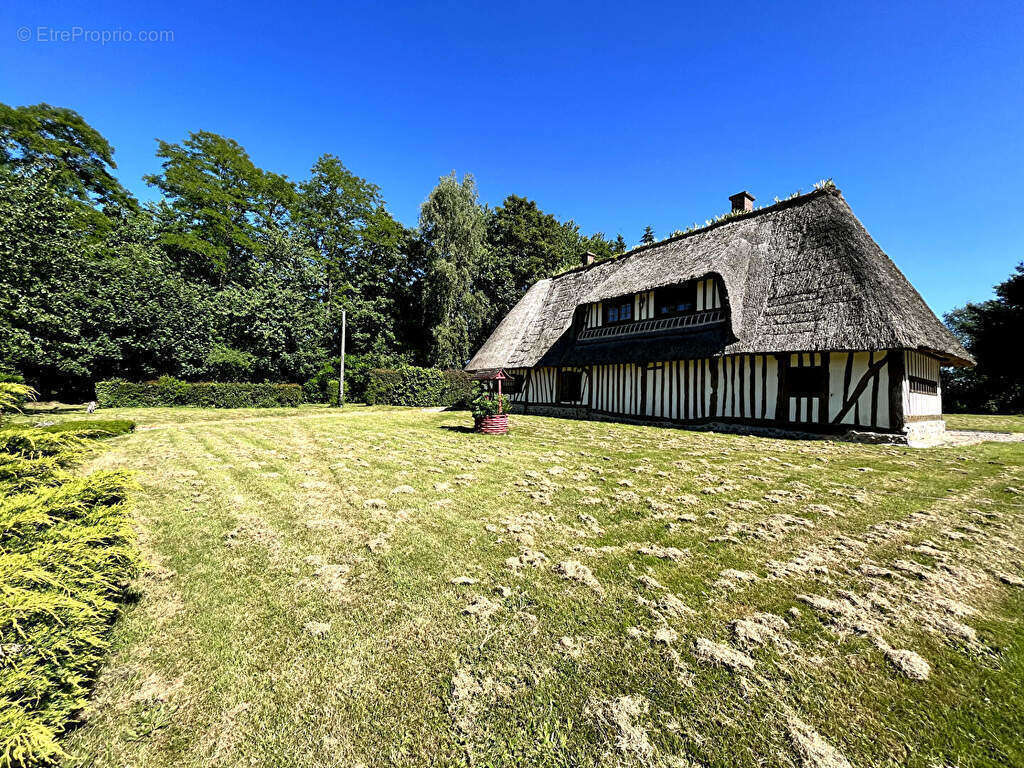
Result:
x=802 y=275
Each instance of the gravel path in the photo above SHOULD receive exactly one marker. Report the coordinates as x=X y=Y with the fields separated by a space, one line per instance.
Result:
x=973 y=437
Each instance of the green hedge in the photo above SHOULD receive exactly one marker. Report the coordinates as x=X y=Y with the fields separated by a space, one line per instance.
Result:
x=423 y=387
x=167 y=391
x=322 y=387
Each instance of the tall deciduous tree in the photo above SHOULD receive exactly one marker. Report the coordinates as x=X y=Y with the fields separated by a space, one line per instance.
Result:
x=453 y=230
x=359 y=248
x=524 y=244
x=218 y=205
x=991 y=331
x=598 y=245
x=78 y=161
x=331 y=211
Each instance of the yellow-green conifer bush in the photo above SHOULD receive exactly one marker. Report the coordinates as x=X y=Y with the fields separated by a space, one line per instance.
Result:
x=67 y=554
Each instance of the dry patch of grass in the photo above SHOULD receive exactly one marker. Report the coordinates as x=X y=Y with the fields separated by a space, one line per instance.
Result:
x=373 y=588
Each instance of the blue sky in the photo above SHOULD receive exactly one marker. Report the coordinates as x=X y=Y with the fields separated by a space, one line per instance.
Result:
x=617 y=115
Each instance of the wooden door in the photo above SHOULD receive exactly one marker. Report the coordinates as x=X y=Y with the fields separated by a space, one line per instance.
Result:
x=805 y=389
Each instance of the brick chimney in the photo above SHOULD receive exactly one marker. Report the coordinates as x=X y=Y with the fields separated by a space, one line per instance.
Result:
x=588 y=258
x=742 y=201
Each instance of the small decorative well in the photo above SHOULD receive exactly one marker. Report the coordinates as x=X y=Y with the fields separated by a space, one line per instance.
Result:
x=489 y=416
x=492 y=425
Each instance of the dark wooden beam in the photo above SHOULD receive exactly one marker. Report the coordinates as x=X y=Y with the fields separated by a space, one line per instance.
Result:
x=781 y=401
x=897 y=368
x=823 y=401
x=866 y=379
x=714 y=386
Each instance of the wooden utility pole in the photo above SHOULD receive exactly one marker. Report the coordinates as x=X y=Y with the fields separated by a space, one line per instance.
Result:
x=341 y=367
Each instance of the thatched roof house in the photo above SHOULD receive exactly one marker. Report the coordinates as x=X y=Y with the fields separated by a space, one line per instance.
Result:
x=798 y=284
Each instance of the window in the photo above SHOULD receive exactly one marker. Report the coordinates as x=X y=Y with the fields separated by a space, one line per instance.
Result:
x=806 y=382
x=921 y=386
x=618 y=311
x=676 y=299
x=512 y=385
x=570 y=387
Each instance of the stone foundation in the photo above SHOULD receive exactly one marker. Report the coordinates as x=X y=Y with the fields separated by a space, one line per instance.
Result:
x=558 y=411
x=925 y=433
x=761 y=430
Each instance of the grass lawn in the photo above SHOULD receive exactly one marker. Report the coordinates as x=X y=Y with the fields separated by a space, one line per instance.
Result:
x=984 y=422
x=380 y=586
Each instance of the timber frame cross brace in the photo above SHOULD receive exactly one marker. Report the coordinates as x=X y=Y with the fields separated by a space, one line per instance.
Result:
x=869 y=374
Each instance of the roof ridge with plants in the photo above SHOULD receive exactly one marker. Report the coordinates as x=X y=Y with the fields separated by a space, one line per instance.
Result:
x=825 y=186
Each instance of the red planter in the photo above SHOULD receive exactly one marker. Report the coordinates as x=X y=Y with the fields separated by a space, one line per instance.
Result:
x=493 y=425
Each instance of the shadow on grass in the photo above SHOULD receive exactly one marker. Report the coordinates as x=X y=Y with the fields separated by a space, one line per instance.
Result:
x=461 y=428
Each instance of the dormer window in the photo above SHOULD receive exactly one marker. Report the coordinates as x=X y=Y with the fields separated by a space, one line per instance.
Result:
x=676 y=299
x=618 y=311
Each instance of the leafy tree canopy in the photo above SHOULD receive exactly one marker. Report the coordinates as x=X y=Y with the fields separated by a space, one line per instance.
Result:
x=991 y=331
x=78 y=160
x=332 y=208
x=359 y=249
x=524 y=244
x=218 y=205
x=453 y=229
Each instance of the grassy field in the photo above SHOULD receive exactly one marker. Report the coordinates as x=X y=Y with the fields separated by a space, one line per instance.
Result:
x=381 y=586
x=984 y=422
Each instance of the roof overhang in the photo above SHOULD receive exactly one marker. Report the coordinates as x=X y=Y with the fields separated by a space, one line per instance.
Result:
x=486 y=374
x=948 y=359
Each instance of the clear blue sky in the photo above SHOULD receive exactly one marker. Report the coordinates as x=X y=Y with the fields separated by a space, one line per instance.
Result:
x=618 y=115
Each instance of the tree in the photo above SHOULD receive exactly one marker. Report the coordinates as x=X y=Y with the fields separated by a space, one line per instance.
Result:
x=648 y=236
x=359 y=249
x=453 y=231
x=74 y=308
x=376 y=290
x=78 y=160
x=524 y=244
x=237 y=273
x=598 y=245
x=331 y=210
x=274 y=316
x=990 y=331
x=217 y=205
x=620 y=244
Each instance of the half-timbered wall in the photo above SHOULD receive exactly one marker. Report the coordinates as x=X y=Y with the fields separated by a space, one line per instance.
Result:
x=708 y=296
x=858 y=388
x=854 y=389
x=922 y=388
x=737 y=386
x=540 y=386
x=616 y=389
x=643 y=305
